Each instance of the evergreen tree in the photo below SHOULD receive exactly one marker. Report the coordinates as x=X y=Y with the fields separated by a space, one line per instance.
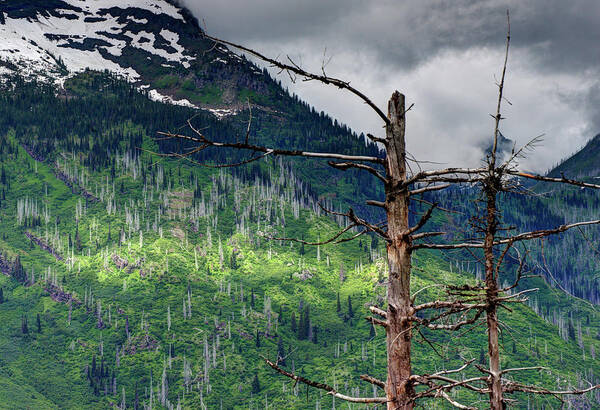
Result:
x=136 y=402
x=372 y=331
x=24 y=327
x=255 y=384
x=293 y=322
x=233 y=260
x=304 y=325
x=252 y=298
x=339 y=305
x=1 y=296
x=18 y=272
x=280 y=352
x=571 y=330
x=39 y=323
x=257 y=339
x=350 y=311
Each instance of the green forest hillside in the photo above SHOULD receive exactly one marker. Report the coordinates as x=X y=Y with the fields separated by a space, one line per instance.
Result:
x=133 y=280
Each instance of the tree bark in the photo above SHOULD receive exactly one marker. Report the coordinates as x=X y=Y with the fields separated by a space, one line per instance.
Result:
x=399 y=389
x=491 y=283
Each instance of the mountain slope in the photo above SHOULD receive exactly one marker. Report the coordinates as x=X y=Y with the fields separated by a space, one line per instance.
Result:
x=174 y=293
x=583 y=163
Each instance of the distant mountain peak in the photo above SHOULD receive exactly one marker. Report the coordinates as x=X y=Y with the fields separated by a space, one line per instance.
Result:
x=504 y=146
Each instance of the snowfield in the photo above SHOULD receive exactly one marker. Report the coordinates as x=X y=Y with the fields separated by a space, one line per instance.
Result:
x=92 y=34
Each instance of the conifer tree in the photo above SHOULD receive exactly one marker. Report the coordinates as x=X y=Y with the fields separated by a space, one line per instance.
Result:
x=24 y=327
x=293 y=322
x=1 y=296
x=280 y=352
x=39 y=323
x=350 y=311
x=18 y=272
x=571 y=330
x=339 y=305
x=257 y=340
x=255 y=384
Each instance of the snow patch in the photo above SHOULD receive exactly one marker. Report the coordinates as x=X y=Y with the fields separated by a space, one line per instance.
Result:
x=156 y=96
x=156 y=7
x=221 y=113
x=139 y=21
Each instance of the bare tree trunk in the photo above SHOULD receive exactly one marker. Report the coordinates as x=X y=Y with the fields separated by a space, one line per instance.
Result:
x=399 y=390
x=491 y=282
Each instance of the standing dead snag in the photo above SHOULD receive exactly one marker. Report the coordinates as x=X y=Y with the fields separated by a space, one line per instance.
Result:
x=399 y=312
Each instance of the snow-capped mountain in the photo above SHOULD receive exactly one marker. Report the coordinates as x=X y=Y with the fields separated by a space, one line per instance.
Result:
x=153 y=43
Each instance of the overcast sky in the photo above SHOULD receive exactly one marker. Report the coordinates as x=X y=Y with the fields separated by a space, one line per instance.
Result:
x=444 y=56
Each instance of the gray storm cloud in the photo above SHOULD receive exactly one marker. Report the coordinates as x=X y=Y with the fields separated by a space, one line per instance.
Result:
x=443 y=56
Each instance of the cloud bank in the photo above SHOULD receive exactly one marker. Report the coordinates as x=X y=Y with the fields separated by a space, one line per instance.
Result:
x=445 y=56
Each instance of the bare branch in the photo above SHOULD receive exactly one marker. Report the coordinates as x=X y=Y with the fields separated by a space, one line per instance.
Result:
x=426 y=216
x=421 y=176
x=520 y=369
x=513 y=387
x=377 y=139
x=372 y=380
x=545 y=232
x=429 y=189
x=562 y=180
x=521 y=237
x=294 y=68
x=330 y=390
x=458 y=370
x=376 y=203
x=426 y=235
x=378 y=322
x=330 y=240
x=346 y=165
x=274 y=151
x=378 y=311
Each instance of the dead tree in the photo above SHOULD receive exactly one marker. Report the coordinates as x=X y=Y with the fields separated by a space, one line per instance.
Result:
x=499 y=177
x=465 y=305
